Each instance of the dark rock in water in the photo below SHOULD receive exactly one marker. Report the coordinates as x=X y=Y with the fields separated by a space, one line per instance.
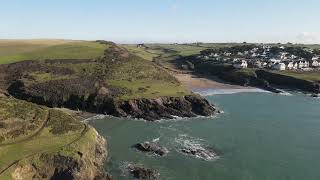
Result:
x=165 y=107
x=152 y=147
x=140 y=172
x=315 y=95
x=199 y=152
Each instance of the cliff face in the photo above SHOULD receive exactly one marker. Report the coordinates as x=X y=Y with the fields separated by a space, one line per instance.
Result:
x=57 y=166
x=150 y=109
x=37 y=142
x=166 y=107
x=289 y=82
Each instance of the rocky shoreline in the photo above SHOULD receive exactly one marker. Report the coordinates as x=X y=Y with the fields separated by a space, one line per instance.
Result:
x=148 y=109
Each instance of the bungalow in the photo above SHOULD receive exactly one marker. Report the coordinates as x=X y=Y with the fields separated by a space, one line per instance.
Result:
x=241 y=64
x=279 y=66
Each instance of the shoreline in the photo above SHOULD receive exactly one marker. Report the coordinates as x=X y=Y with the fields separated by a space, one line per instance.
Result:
x=216 y=91
x=191 y=82
x=212 y=86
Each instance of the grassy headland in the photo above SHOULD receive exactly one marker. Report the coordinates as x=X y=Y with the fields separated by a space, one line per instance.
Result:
x=29 y=132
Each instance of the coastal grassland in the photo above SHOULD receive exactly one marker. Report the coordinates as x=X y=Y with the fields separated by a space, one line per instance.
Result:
x=149 y=89
x=313 y=76
x=44 y=142
x=19 y=119
x=41 y=77
x=15 y=51
x=12 y=47
x=143 y=79
x=164 y=52
x=181 y=49
x=142 y=52
x=57 y=133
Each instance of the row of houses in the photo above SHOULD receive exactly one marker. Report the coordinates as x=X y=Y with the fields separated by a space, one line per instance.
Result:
x=277 y=65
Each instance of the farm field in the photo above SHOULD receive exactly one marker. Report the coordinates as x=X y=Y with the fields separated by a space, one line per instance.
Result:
x=20 y=50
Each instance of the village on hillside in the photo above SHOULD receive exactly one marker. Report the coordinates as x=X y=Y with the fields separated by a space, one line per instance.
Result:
x=265 y=56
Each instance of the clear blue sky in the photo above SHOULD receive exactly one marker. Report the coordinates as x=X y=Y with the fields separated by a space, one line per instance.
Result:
x=134 y=21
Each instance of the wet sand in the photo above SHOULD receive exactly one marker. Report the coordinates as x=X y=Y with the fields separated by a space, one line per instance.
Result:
x=193 y=82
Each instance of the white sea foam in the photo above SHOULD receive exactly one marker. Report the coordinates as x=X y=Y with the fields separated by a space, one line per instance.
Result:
x=96 y=117
x=198 y=145
x=156 y=139
x=209 y=92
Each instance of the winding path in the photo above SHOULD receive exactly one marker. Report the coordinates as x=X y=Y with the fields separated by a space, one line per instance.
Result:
x=31 y=136
x=83 y=132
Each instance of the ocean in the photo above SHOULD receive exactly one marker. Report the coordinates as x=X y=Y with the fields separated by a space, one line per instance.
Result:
x=259 y=136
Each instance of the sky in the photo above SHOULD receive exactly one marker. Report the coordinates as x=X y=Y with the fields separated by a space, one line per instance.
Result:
x=163 y=21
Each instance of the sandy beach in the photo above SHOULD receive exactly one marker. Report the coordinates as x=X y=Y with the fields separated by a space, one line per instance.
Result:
x=194 y=82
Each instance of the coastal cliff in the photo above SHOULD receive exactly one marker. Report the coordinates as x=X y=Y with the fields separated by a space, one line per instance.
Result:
x=118 y=84
x=37 y=142
x=55 y=166
x=146 y=108
x=289 y=81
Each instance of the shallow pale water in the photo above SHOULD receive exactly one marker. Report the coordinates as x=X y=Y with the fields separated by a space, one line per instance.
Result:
x=261 y=136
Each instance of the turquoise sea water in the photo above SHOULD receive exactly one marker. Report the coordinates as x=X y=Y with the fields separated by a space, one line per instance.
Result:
x=261 y=136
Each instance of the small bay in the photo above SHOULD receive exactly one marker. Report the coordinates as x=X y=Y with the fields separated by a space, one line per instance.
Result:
x=260 y=136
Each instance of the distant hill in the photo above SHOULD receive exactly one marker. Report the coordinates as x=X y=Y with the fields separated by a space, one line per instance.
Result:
x=20 y=50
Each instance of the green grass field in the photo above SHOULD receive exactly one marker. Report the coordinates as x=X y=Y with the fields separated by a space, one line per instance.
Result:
x=149 y=89
x=141 y=52
x=20 y=50
x=62 y=134
x=309 y=76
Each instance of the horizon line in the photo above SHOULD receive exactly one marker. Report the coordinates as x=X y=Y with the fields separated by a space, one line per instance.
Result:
x=158 y=42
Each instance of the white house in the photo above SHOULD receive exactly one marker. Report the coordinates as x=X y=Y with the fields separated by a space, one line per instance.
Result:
x=315 y=63
x=274 y=61
x=279 y=66
x=303 y=64
x=283 y=55
x=240 y=54
x=293 y=57
x=292 y=65
x=241 y=64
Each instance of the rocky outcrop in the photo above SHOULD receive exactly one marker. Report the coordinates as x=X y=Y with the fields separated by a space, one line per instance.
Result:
x=151 y=147
x=61 y=167
x=201 y=153
x=165 y=107
x=140 y=172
